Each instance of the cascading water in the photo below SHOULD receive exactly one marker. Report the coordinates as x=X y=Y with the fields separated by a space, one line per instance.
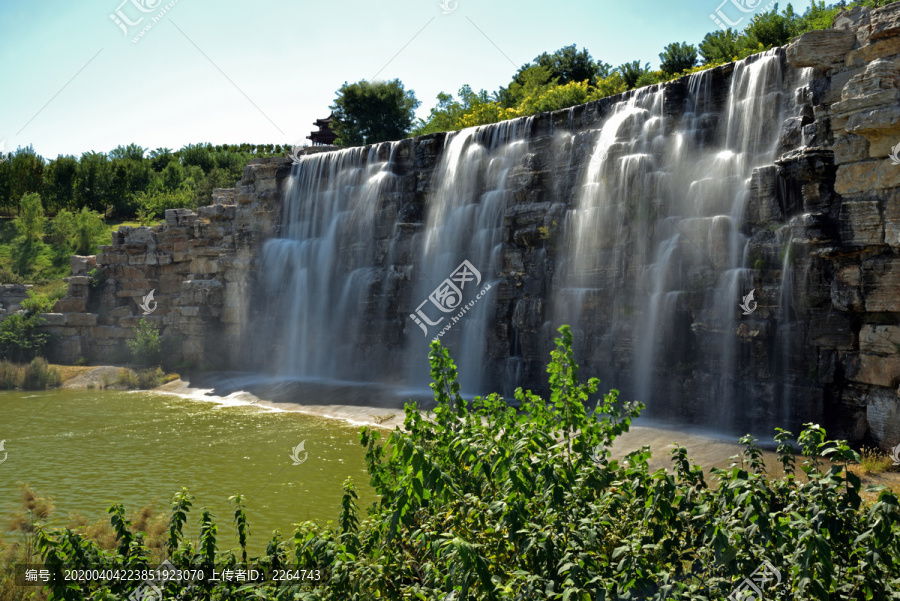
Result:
x=637 y=242
x=464 y=220
x=653 y=243
x=319 y=273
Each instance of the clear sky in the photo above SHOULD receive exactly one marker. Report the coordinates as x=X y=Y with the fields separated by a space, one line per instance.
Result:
x=231 y=71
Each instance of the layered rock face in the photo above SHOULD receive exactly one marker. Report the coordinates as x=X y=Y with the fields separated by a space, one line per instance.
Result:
x=643 y=220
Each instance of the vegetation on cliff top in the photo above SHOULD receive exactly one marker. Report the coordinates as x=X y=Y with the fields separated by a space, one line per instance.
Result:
x=480 y=501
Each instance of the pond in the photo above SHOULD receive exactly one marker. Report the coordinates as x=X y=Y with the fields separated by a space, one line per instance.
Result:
x=87 y=449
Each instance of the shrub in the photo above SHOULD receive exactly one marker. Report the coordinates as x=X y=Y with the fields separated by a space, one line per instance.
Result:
x=81 y=361
x=144 y=379
x=98 y=278
x=37 y=303
x=481 y=501
x=9 y=376
x=30 y=221
x=145 y=346
x=126 y=378
x=87 y=231
x=150 y=378
x=20 y=337
x=38 y=375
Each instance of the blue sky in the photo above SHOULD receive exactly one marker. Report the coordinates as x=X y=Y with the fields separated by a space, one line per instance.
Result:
x=230 y=71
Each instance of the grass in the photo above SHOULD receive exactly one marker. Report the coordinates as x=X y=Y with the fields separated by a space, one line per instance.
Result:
x=37 y=375
x=42 y=265
x=875 y=461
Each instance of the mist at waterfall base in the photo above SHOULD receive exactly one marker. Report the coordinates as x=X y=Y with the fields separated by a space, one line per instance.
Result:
x=643 y=253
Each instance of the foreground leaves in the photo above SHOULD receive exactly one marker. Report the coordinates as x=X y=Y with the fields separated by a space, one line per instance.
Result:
x=480 y=501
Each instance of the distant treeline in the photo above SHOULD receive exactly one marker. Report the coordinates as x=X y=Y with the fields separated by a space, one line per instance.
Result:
x=128 y=182
x=569 y=77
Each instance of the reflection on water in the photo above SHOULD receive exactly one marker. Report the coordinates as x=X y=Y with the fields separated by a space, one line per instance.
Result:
x=87 y=449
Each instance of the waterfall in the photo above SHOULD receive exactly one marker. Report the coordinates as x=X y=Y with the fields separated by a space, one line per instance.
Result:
x=623 y=218
x=653 y=247
x=463 y=223
x=319 y=273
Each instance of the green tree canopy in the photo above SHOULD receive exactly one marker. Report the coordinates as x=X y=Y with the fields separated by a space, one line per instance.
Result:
x=369 y=112
x=632 y=71
x=564 y=66
x=720 y=46
x=677 y=57
x=30 y=222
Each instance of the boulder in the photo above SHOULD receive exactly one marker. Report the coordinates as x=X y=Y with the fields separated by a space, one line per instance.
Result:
x=820 y=49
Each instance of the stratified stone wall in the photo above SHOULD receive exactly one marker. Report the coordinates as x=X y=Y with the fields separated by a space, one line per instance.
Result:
x=196 y=264
x=855 y=329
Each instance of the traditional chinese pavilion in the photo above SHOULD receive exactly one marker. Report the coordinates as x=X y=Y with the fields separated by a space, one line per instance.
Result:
x=324 y=135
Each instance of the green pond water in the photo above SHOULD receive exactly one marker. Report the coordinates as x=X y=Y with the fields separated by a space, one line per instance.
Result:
x=86 y=449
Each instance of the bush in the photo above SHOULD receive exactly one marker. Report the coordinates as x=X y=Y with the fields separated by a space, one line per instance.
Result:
x=30 y=221
x=37 y=303
x=144 y=379
x=126 y=378
x=39 y=375
x=145 y=346
x=480 y=501
x=20 y=337
x=87 y=231
x=9 y=376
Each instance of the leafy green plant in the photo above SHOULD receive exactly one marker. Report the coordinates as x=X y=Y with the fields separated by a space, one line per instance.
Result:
x=37 y=303
x=482 y=501
x=98 y=278
x=145 y=347
x=30 y=221
x=21 y=338
x=87 y=230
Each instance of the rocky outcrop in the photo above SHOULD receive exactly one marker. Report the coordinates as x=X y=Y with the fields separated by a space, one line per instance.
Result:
x=195 y=264
x=854 y=323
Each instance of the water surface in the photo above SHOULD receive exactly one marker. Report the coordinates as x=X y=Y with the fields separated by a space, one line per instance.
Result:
x=87 y=449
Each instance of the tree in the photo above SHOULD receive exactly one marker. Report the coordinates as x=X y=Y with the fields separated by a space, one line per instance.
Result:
x=564 y=66
x=31 y=220
x=160 y=158
x=60 y=179
x=88 y=228
x=93 y=181
x=771 y=29
x=369 y=112
x=62 y=228
x=21 y=338
x=677 y=57
x=632 y=71
x=720 y=47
